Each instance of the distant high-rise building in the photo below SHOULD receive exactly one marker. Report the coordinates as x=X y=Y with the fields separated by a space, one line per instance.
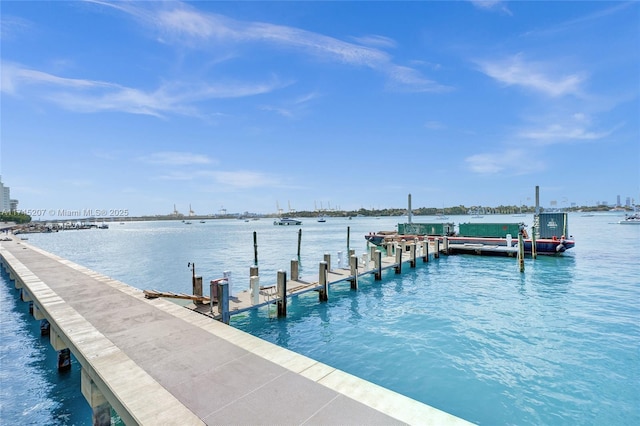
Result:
x=618 y=201
x=627 y=202
x=5 y=197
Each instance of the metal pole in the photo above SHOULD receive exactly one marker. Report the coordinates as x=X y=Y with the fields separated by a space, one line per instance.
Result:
x=255 y=248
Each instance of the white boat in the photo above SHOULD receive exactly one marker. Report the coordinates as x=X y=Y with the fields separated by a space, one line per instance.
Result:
x=633 y=219
x=287 y=221
x=322 y=219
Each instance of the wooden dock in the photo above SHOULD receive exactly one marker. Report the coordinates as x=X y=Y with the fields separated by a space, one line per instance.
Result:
x=156 y=363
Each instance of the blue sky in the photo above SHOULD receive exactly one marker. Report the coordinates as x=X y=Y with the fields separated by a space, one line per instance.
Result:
x=251 y=105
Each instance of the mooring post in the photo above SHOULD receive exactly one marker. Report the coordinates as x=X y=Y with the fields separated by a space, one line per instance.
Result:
x=534 y=249
x=354 y=271
x=294 y=269
x=255 y=248
x=436 y=251
x=299 y=241
x=412 y=254
x=398 y=260
x=521 y=251
x=323 y=294
x=425 y=249
x=223 y=300
x=227 y=277
x=253 y=271
x=327 y=258
x=445 y=243
x=197 y=286
x=255 y=289
x=365 y=261
x=378 y=258
x=282 y=293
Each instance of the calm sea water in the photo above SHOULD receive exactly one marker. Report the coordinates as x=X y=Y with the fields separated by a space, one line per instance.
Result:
x=557 y=344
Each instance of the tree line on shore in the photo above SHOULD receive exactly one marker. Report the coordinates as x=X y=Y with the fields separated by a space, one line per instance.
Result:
x=15 y=217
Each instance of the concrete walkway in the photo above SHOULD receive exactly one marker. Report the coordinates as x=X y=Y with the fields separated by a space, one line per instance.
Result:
x=157 y=363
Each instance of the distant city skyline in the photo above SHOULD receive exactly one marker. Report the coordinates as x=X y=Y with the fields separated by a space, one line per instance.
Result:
x=247 y=106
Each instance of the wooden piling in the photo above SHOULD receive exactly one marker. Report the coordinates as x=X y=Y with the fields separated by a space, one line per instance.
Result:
x=534 y=249
x=197 y=286
x=223 y=300
x=323 y=294
x=412 y=254
x=378 y=265
x=445 y=244
x=436 y=251
x=398 y=260
x=521 y=251
x=294 y=270
x=354 y=271
x=425 y=250
x=327 y=258
x=299 y=241
x=282 y=293
x=255 y=289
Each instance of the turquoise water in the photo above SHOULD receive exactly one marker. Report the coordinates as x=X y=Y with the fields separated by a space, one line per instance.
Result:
x=557 y=344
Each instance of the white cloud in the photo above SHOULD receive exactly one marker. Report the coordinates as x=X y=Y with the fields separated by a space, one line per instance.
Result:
x=509 y=162
x=91 y=96
x=173 y=158
x=178 y=23
x=515 y=71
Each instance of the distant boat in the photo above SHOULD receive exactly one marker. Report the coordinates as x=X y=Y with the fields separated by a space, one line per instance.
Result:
x=322 y=219
x=633 y=219
x=187 y=223
x=103 y=226
x=287 y=221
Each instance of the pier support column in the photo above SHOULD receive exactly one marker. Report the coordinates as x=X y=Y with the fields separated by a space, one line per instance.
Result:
x=101 y=409
x=327 y=258
x=223 y=300
x=294 y=270
x=64 y=360
x=45 y=327
x=445 y=243
x=55 y=340
x=98 y=403
x=354 y=271
x=436 y=251
x=425 y=249
x=282 y=293
x=412 y=254
x=365 y=262
x=17 y=283
x=255 y=289
x=398 y=259
x=24 y=295
x=37 y=313
x=378 y=265
x=323 y=295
